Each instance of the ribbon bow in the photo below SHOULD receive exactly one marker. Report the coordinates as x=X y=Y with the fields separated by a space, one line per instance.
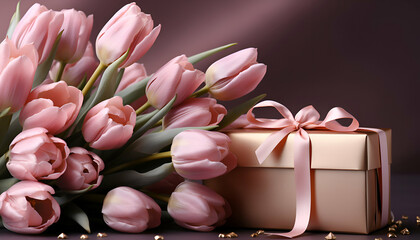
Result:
x=308 y=118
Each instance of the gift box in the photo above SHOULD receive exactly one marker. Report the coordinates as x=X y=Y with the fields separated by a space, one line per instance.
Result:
x=345 y=176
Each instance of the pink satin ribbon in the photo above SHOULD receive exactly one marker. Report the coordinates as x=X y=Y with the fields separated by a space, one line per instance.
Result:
x=308 y=118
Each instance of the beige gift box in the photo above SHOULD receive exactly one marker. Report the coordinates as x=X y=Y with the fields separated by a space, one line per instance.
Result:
x=345 y=182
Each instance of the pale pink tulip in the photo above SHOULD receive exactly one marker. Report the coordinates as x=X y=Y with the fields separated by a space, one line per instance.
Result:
x=128 y=210
x=40 y=27
x=17 y=71
x=177 y=77
x=133 y=74
x=235 y=75
x=28 y=207
x=109 y=124
x=76 y=32
x=197 y=207
x=199 y=154
x=74 y=73
x=195 y=112
x=82 y=171
x=129 y=29
x=53 y=106
x=36 y=155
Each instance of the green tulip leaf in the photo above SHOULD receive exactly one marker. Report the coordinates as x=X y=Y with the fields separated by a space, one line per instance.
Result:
x=198 y=57
x=76 y=192
x=7 y=183
x=74 y=212
x=43 y=68
x=14 y=21
x=143 y=118
x=134 y=92
x=134 y=179
x=237 y=111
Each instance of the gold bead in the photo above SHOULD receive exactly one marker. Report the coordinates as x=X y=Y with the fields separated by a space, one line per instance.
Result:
x=394 y=226
x=418 y=222
x=405 y=231
x=260 y=232
x=158 y=237
x=221 y=235
x=84 y=236
x=378 y=238
x=232 y=235
x=418 y=217
x=392 y=235
x=254 y=235
x=62 y=236
x=404 y=217
x=391 y=229
x=330 y=236
x=399 y=223
x=101 y=235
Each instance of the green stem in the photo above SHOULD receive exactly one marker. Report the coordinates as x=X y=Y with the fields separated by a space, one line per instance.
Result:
x=158 y=124
x=139 y=161
x=143 y=108
x=60 y=71
x=200 y=92
x=3 y=162
x=93 y=78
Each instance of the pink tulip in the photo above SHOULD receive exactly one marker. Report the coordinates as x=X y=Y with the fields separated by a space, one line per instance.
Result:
x=17 y=71
x=177 y=77
x=53 y=106
x=235 y=75
x=74 y=73
x=195 y=112
x=28 y=207
x=133 y=74
x=109 y=124
x=199 y=154
x=76 y=32
x=36 y=155
x=82 y=171
x=197 y=207
x=129 y=29
x=40 y=27
x=128 y=210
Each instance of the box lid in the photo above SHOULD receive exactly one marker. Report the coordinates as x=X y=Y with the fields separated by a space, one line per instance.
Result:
x=330 y=150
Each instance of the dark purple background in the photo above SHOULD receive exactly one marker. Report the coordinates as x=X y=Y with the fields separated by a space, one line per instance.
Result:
x=361 y=55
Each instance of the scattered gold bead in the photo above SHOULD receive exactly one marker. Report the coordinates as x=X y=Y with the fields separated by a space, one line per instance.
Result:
x=405 y=231
x=158 y=237
x=404 y=217
x=232 y=235
x=260 y=232
x=101 y=235
x=221 y=235
x=254 y=235
x=84 y=236
x=62 y=236
x=418 y=222
x=391 y=229
x=418 y=217
x=399 y=223
x=394 y=226
x=330 y=236
x=378 y=238
x=392 y=235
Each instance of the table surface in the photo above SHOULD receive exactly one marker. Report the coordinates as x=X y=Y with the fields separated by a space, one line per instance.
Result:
x=405 y=199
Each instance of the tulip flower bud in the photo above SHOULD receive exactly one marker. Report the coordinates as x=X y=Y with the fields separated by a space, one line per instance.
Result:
x=199 y=154
x=177 y=77
x=129 y=29
x=82 y=171
x=36 y=155
x=76 y=32
x=235 y=75
x=128 y=210
x=195 y=112
x=197 y=207
x=28 y=207
x=17 y=71
x=74 y=73
x=109 y=124
x=40 y=27
x=133 y=74
x=53 y=106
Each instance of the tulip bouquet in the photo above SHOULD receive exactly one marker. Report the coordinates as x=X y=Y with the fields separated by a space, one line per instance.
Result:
x=84 y=138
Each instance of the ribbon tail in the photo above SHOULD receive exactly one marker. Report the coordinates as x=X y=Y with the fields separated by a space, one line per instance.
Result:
x=267 y=147
x=383 y=146
x=303 y=185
